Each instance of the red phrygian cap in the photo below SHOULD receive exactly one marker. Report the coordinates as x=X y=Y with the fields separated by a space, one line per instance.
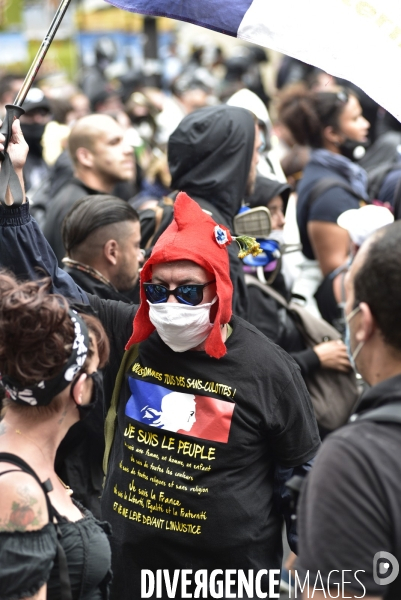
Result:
x=192 y=235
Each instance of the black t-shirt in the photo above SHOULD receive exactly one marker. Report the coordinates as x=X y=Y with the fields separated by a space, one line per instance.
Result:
x=350 y=507
x=193 y=488
x=327 y=207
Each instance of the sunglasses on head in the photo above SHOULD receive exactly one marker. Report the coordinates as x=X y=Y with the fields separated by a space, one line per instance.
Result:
x=191 y=293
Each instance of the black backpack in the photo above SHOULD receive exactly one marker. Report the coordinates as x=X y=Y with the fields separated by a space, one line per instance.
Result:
x=389 y=413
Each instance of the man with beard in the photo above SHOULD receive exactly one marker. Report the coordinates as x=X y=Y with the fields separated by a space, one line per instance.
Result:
x=101 y=235
x=101 y=158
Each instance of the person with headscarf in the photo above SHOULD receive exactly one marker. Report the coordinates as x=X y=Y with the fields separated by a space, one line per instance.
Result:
x=50 y=545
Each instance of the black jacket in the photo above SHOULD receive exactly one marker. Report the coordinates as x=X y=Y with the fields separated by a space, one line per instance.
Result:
x=94 y=286
x=58 y=208
x=209 y=157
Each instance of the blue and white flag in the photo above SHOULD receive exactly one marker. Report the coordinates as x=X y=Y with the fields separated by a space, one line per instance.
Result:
x=352 y=39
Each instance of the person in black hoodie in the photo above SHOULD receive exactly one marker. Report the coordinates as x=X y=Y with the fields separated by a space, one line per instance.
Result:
x=212 y=156
x=33 y=122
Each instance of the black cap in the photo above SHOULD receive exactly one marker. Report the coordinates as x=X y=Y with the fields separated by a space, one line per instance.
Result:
x=266 y=189
x=35 y=98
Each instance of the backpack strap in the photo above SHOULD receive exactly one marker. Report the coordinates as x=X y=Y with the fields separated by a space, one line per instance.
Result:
x=111 y=417
x=325 y=184
x=166 y=204
x=65 y=585
x=266 y=289
x=389 y=413
x=397 y=200
x=46 y=485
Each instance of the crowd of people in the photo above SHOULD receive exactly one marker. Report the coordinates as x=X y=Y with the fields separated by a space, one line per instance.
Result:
x=198 y=322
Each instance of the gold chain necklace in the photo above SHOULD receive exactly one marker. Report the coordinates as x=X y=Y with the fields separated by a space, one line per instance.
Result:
x=65 y=486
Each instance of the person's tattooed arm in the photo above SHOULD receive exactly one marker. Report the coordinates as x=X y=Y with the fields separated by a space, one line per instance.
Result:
x=22 y=507
x=22 y=502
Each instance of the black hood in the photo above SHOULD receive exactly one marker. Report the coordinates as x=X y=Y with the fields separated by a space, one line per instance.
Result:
x=265 y=190
x=210 y=154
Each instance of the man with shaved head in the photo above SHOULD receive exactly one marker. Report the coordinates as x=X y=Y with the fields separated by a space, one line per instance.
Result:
x=101 y=158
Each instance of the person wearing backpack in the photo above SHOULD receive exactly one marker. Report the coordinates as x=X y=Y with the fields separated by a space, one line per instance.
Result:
x=271 y=310
x=332 y=125
x=349 y=513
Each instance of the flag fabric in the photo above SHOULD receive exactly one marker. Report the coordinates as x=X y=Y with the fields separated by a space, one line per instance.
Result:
x=356 y=40
x=189 y=414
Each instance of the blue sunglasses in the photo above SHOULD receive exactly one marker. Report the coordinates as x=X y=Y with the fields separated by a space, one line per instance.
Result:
x=191 y=294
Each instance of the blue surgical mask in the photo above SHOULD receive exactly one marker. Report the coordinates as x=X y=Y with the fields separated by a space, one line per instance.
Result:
x=347 y=340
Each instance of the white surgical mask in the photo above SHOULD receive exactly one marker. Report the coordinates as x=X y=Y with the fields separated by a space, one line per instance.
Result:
x=277 y=235
x=181 y=326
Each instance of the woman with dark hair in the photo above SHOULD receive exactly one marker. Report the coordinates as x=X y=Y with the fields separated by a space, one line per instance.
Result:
x=266 y=312
x=50 y=546
x=332 y=125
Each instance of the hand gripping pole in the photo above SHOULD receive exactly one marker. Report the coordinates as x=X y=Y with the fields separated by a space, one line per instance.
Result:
x=8 y=177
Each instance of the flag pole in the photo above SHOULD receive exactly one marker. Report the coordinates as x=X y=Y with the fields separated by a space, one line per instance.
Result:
x=14 y=111
x=37 y=62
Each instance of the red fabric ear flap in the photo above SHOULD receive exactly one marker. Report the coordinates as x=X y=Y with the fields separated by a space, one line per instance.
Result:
x=215 y=346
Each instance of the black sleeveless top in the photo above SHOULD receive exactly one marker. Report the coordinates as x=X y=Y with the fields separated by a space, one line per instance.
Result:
x=29 y=559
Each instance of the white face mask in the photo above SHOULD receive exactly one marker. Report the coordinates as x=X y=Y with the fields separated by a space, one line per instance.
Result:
x=277 y=235
x=181 y=326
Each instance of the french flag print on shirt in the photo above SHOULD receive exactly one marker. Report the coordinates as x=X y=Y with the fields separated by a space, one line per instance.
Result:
x=189 y=414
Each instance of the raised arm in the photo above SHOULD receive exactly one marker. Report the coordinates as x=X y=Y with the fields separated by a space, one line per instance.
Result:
x=23 y=248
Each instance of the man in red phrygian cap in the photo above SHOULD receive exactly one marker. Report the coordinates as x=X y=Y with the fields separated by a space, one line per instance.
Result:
x=205 y=417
